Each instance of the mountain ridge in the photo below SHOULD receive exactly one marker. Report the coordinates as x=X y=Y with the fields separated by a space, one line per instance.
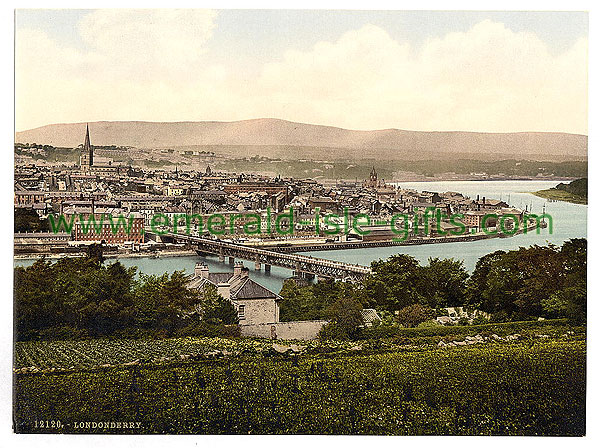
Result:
x=278 y=132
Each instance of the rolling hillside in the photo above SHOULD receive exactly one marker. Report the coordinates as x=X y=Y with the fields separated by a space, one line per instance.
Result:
x=388 y=143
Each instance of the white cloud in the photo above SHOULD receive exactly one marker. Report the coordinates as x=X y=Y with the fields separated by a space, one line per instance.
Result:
x=154 y=65
x=488 y=78
x=148 y=42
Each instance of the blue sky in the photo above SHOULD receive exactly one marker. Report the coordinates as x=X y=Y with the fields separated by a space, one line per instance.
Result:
x=286 y=56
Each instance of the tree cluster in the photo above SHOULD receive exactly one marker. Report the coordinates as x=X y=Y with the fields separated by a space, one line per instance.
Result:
x=539 y=281
x=547 y=281
x=27 y=220
x=84 y=297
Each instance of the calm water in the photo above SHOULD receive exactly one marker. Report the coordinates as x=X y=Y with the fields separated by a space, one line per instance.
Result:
x=570 y=221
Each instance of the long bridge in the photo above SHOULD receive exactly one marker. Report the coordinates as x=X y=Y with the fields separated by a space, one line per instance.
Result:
x=302 y=265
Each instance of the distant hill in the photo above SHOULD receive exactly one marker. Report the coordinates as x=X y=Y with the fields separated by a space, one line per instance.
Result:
x=577 y=187
x=387 y=143
x=575 y=192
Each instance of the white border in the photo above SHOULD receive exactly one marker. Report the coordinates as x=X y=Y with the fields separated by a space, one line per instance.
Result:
x=7 y=438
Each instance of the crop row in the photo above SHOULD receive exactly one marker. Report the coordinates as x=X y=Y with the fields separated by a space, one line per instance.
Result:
x=70 y=355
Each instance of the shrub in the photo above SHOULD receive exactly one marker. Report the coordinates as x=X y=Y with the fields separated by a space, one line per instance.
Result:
x=439 y=312
x=500 y=316
x=63 y=333
x=413 y=315
x=332 y=330
x=346 y=318
x=429 y=324
x=211 y=329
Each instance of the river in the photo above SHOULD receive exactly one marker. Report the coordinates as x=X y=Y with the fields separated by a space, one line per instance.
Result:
x=569 y=221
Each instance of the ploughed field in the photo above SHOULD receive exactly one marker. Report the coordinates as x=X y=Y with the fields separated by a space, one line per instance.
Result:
x=528 y=386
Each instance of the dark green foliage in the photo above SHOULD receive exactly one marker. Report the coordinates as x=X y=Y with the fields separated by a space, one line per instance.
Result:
x=517 y=285
x=400 y=282
x=443 y=282
x=95 y=252
x=27 y=220
x=395 y=283
x=577 y=187
x=345 y=319
x=314 y=301
x=463 y=321
x=546 y=281
x=79 y=297
x=514 y=389
x=413 y=315
x=480 y=320
x=216 y=309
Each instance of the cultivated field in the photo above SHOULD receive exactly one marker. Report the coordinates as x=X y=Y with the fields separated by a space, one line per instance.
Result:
x=533 y=384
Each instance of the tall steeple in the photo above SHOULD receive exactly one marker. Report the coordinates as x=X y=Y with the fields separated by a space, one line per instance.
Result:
x=373 y=178
x=87 y=147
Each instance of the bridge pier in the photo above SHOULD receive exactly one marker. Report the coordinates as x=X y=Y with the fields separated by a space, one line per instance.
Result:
x=232 y=260
x=267 y=268
x=257 y=265
x=222 y=258
x=309 y=276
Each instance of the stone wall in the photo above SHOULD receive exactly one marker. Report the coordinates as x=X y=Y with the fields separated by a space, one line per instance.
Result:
x=307 y=329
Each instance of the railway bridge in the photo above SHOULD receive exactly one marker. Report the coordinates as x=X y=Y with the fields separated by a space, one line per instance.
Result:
x=302 y=265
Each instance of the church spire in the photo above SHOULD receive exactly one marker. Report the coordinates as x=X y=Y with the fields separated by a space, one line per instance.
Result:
x=87 y=147
x=86 y=144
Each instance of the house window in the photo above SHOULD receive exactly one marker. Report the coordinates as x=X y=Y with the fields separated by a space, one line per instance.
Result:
x=242 y=311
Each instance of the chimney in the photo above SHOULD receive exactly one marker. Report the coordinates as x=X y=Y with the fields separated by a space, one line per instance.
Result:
x=237 y=268
x=224 y=289
x=201 y=270
x=484 y=200
x=477 y=198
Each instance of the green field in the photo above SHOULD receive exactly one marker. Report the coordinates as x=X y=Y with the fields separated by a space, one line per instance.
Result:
x=534 y=386
x=52 y=356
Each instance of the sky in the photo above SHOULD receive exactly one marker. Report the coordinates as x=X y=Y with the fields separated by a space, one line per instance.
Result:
x=417 y=70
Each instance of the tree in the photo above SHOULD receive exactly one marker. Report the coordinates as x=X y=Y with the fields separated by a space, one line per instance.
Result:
x=413 y=315
x=443 y=282
x=95 y=252
x=161 y=302
x=345 y=319
x=216 y=309
x=394 y=283
x=477 y=283
x=298 y=303
x=535 y=281
x=27 y=220
x=569 y=302
x=307 y=302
